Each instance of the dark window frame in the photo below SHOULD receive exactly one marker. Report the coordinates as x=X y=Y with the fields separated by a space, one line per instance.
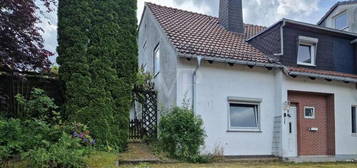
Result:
x=354 y=119
x=156 y=49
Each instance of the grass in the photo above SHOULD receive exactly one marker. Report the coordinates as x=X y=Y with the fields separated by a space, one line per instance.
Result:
x=246 y=165
x=102 y=160
x=96 y=159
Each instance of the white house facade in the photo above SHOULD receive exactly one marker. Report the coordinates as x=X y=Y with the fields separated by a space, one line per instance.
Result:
x=258 y=93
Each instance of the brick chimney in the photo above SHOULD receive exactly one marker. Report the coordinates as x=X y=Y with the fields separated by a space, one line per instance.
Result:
x=231 y=15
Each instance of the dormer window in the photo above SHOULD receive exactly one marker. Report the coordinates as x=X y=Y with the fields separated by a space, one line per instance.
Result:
x=307 y=51
x=341 y=22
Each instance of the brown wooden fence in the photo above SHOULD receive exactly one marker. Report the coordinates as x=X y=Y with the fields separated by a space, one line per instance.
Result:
x=136 y=129
x=12 y=84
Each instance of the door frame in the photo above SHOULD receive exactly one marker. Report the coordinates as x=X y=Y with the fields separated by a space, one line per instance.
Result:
x=330 y=101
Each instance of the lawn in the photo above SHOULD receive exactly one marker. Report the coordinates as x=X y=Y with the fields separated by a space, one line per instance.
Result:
x=246 y=165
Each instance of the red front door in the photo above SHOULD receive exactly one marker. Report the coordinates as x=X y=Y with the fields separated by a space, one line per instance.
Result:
x=314 y=115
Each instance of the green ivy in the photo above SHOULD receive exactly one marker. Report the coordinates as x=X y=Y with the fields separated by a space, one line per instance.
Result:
x=98 y=63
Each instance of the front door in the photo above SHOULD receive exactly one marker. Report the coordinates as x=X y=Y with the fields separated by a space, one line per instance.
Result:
x=292 y=131
x=315 y=123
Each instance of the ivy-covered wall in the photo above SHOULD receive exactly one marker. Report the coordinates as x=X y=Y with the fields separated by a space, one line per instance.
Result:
x=98 y=62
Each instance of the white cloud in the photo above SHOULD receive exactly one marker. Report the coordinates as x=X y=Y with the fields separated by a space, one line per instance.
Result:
x=260 y=12
x=189 y=5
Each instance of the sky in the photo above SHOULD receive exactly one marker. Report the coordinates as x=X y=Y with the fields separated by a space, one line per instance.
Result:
x=258 y=12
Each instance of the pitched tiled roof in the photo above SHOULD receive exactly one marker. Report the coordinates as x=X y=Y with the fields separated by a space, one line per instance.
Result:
x=321 y=72
x=198 y=34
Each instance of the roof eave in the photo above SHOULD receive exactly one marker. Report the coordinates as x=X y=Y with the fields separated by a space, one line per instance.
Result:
x=231 y=60
x=304 y=24
x=322 y=76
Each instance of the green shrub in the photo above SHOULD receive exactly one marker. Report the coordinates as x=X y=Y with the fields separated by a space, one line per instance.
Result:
x=68 y=153
x=182 y=134
x=38 y=106
x=18 y=136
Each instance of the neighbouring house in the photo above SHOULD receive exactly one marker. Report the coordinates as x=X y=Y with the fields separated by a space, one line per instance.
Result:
x=288 y=90
x=341 y=16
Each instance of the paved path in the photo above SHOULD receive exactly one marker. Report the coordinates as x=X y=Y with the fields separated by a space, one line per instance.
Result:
x=137 y=153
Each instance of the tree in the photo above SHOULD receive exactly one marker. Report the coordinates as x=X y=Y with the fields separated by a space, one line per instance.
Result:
x=98 y=57
x=21 y=44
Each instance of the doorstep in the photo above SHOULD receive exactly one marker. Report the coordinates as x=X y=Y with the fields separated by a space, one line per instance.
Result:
x=311 y=158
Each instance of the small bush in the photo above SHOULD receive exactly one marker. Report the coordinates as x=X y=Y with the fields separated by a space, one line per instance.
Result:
x=68 y=153
x=182 y=134
x=39 y=106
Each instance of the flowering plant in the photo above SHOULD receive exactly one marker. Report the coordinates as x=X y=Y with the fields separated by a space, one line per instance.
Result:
x=81 y=131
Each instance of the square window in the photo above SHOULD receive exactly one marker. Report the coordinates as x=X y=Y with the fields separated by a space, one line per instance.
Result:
x=307 y=51
x=354 y=120
x=309 y=112
x=341 y=21
x=243 y=116
x=156 y=60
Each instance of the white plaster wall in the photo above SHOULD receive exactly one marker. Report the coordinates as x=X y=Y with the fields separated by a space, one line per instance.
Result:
x=345 y=96
x=352 y=17
x=150 y=34
x=215 y=82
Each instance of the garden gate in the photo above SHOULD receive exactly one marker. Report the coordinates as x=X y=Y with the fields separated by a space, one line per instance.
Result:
x=146 y=125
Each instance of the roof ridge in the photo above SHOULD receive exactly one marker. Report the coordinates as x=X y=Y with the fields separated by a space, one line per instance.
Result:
x=163 y=6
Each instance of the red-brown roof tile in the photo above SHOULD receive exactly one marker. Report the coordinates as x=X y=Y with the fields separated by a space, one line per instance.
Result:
x=198 y=34
x=321 y=72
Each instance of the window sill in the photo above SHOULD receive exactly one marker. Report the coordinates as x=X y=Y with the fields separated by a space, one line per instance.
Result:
x=305 y=64
x=354 y=134
x=245 y=130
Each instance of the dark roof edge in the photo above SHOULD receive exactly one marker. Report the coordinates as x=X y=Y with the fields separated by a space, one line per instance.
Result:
x=142 y=15
x=328 y=13
x=307 y=25
x=265 y=30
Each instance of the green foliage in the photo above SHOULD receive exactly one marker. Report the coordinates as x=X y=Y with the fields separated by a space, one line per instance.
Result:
x=98 y=57
x=39 y=106
x=18 y=136
x=67 y=152
x=144 y=80
x=54 y=70
x=182 y=134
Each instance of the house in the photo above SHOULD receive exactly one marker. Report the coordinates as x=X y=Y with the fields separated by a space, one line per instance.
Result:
x=341 y=16
x=288 y=90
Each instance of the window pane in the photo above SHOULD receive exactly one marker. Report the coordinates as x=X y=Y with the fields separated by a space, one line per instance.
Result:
x=341 y=21
x=309 y=112
x=243 y=116
x=156 y=60
x=304 y=54
x=354 y=120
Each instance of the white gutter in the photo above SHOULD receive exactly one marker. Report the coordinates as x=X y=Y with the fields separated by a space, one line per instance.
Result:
x=354 y=41
x=234 y=61
x=314 y=75
x=281 y=40
x=194 y=74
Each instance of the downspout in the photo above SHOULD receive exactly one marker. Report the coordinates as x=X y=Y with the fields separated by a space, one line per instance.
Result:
x=281 y=39
x=194 y=74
